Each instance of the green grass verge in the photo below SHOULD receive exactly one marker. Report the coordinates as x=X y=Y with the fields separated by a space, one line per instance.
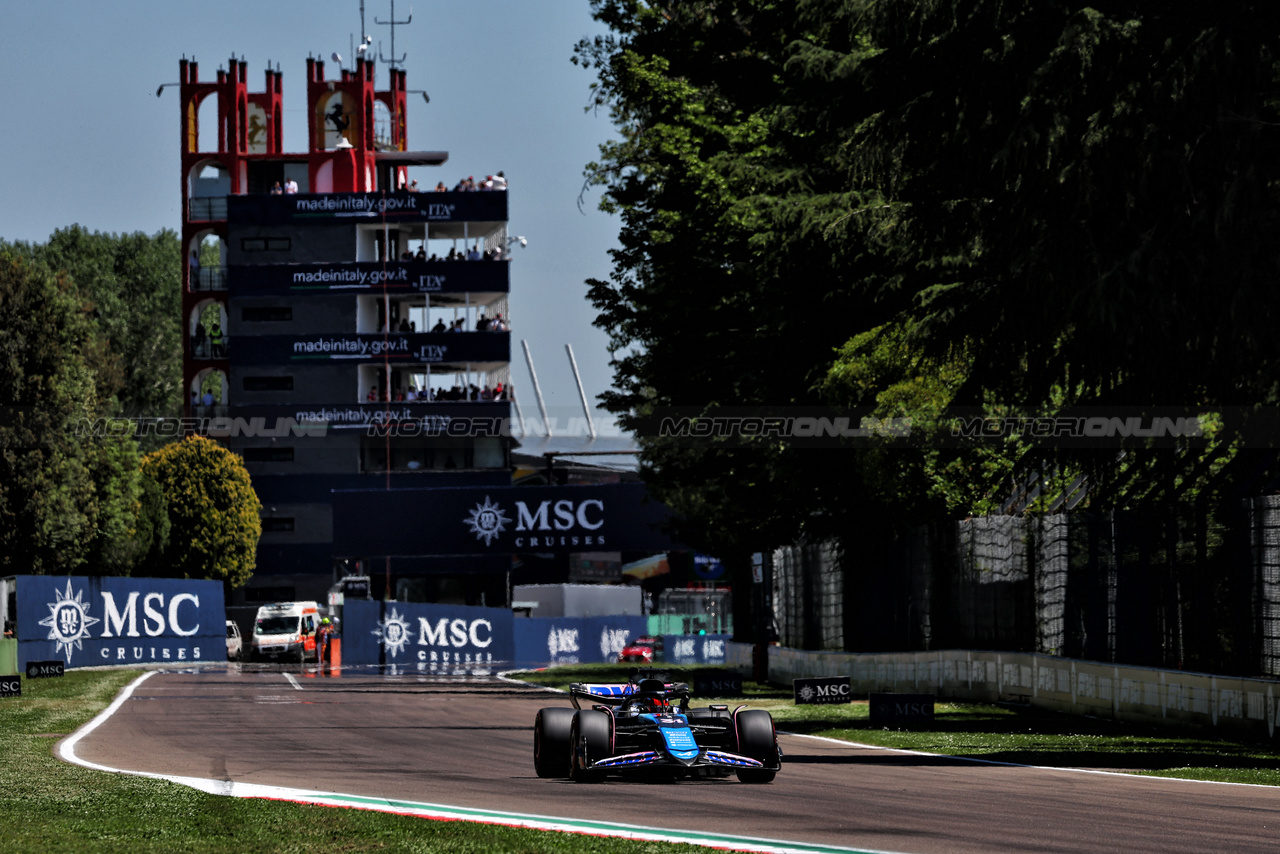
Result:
x=47 y=805
x=997 y=733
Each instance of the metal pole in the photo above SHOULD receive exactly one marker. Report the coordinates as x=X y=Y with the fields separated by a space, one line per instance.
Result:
x=537 y=389
x=582 y=395
x=511 y=393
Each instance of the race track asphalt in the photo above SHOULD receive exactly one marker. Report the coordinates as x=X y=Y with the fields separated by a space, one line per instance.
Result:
x=470 y=743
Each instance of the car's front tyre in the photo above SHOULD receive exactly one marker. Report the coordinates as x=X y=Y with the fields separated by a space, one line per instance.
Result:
x=551 y=743
x=589 y=738
x=756 y=740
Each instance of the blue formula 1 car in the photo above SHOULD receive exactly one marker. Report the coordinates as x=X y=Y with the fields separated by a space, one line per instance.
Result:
x=633 y=729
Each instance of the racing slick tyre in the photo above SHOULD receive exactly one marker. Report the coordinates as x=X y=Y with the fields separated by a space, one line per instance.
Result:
x=551 y=742
x=589 y=737
x=756 y=740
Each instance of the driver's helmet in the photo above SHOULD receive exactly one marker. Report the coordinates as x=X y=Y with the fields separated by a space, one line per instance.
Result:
x=652 y=693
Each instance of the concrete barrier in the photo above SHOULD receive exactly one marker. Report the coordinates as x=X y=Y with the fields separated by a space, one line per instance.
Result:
x=1131 y=694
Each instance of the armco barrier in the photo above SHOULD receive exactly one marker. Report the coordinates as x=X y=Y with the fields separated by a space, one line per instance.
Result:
x=1131 y=694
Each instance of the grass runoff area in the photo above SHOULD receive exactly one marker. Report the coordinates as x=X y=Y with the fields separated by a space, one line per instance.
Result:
x=1003 y=733
x=47 y=805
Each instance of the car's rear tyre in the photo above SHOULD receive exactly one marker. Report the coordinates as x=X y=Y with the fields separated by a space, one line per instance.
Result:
x=589 y=737
x=756 y=740
x=551 y=742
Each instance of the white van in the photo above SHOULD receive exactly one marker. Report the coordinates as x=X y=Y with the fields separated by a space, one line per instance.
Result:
x=285 y=631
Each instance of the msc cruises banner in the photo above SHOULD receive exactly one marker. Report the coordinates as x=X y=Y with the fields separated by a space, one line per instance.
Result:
x=423 y=347
x=542 y=641
x=456 y=521
x=425 y=637
x=399 y=277
x=95 y=621
x=329 y=208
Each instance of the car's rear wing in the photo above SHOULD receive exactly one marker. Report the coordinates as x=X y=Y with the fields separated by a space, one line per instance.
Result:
x=617 y=693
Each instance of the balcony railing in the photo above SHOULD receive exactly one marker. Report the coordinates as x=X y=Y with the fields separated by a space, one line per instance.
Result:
x=208 y=278
x=207 y=209
x=206 y=348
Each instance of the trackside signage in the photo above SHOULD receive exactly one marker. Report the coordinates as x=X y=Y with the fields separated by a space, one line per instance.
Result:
x=498 y=520
x=44 y=669
x=396 y=277
x=822 y=691
x=885 y=708
x=418 y=348
x=330 y=208
x=85 y=622
x=426 y=638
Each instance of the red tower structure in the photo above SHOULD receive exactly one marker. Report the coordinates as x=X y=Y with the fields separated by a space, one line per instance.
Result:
x=346 y=154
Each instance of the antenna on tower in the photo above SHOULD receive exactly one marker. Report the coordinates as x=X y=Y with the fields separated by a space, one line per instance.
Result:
x=394 y=60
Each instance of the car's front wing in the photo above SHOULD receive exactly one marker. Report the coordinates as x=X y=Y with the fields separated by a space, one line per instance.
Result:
x=707 y=758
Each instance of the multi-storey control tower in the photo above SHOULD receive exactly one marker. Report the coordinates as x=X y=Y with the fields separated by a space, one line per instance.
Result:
x=339 y=323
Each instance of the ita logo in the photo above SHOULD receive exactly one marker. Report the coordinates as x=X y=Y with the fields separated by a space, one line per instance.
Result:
x=68 y=621
x=487 y=521
x=393 y=633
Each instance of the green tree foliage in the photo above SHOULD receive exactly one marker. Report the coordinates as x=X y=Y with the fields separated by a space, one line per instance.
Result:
x=724 y=291
x=1016 y=206
x=133 y=283
x=68 y=496
x=213 y=512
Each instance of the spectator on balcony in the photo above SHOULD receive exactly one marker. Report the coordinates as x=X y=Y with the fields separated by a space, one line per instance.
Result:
x=404 y=325
x=215 y=339
x=498 y=324
x=422 y=253
x=207 y=398
x=290 y=187
x=439 y=327
x=201 y=342
x=441 y=188
x=276 y=189
x=453 y=254
x=413 y=186
x=499 y=181
x=474 y=254
x=373 y=394
x=406 y=255
x=483 y=323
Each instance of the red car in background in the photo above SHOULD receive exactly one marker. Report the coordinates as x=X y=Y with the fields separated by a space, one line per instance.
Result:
x=643 y=650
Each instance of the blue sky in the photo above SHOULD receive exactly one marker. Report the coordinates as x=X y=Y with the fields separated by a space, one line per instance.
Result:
x=92 y=144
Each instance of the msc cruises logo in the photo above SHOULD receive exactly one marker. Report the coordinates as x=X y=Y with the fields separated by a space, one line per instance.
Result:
x=487 y=521
x=574 y=523
x=393 y=633
x=68 y=621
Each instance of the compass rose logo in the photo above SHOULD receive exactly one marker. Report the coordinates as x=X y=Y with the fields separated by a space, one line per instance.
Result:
x=393 y=633
x=68 y=621
x=487 y=521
